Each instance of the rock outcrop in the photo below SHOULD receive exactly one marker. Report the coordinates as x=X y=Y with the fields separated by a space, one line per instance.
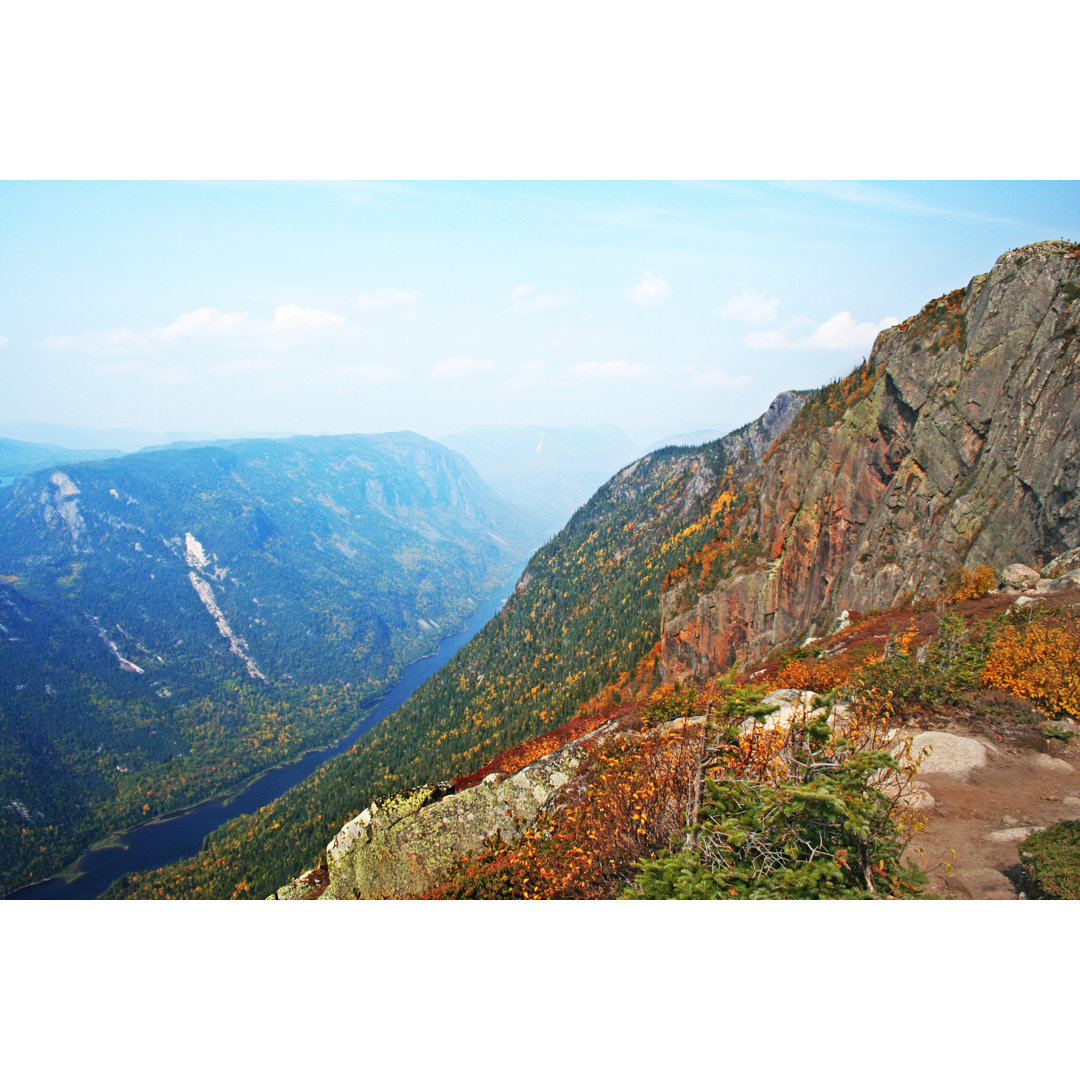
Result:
x=958 y=443
x=402 y=847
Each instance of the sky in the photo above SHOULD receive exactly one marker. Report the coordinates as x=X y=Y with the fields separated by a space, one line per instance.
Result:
x=303 y=307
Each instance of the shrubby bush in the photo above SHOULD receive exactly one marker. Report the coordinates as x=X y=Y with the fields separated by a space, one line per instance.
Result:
x=1050 y=862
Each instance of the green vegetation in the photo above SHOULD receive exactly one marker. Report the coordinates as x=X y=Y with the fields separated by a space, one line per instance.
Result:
x=828 y=835
x=585 y=617
x=1050 y=862
x=940 y=673
x=333 y=562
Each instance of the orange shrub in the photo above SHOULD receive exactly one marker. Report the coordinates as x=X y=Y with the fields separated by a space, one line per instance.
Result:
x=588 y=848
x=825 y=674
x=970 y=584
x=1040 y=663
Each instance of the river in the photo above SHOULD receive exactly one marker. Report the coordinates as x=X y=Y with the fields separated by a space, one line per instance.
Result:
x=180 y=835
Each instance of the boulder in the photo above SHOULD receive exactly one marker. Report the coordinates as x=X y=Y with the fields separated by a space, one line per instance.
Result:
x=1011 y=836
x=789 y=705
x=982 y=883
x=919 y=800
x=1053 y=764
x=1016 y=577
x=308 y=886
x=1021 y=603
x=953 y=756
x=1071 y=580
x=1062 y=564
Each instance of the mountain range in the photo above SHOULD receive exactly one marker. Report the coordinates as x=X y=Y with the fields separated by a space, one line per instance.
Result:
x=955 y=444
x=171 y=621
x=950 y=453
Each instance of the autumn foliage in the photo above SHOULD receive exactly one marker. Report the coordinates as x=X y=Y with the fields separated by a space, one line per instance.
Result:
x=638 y=782
x=1039 y=662
x=825 y=673
x=970 y=584
x=640 y=793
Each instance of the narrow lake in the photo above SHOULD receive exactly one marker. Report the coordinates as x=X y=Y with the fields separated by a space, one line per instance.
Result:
x=180 y=835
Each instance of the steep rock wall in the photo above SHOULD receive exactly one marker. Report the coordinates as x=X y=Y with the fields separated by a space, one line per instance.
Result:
x=961 y=446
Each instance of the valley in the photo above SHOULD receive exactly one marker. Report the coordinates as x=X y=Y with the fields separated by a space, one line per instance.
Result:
x=224 y=607
x=179 y=620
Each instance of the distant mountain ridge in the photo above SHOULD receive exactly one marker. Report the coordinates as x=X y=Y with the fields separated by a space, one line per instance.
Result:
x=18 y=458
x=145 y=593
x=547 y=472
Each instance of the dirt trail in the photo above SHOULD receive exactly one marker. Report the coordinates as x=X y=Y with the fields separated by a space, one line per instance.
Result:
x=969 y=846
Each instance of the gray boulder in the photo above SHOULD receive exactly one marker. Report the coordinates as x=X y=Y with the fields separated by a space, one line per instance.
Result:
x=1016 y=577
x=952 y=756
x=982 y=883
x=1066 y=561
x=1070 y=580
x=402 y=847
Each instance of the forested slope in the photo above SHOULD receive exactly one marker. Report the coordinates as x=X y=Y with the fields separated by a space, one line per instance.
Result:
x=585 y=612
x=173 y=621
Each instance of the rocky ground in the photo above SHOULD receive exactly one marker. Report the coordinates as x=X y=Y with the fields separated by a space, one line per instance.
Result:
x=990 y=792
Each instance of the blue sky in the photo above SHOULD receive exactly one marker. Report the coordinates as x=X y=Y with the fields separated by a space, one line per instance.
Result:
x=307 y=307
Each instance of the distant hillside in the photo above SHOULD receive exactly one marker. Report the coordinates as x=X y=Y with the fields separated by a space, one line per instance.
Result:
x=686 y=438
x=177 y=619
x=546 y=472
x=19 y=458
x=584 y=615
x=124 y=439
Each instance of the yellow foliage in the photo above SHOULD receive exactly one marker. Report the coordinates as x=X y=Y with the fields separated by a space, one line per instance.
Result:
x=1040 y=663
x=973 y=584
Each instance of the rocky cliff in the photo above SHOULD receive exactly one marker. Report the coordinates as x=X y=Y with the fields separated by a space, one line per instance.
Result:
x=956 y=443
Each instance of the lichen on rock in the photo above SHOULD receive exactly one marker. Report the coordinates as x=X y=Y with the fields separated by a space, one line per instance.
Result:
x=401 y=847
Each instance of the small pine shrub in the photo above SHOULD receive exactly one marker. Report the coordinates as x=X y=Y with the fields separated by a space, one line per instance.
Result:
x=831 y=835
x=669 y=702
x=1050 y=862
x=940 y=674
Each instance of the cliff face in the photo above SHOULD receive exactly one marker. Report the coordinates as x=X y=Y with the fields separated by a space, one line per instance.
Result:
x=957 y=443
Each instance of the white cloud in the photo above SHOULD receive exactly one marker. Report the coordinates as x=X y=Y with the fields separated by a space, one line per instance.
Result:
x=4 y=343
x=842 y=332
x=382 y=299
x=651 y=290
x=206 y=322
x=839 y=333
x=460 y=367
x=610 y=369
x=525 y=300
x=292 y=324
x=715 y=379
x=750 y=306
x=289 y=325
